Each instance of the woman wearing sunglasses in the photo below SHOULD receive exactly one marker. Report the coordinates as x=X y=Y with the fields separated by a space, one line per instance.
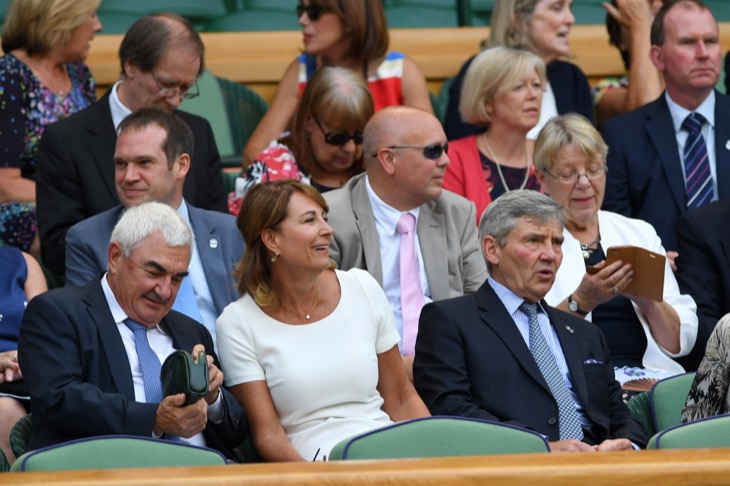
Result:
x=324 y=148
x=346 y=33
x=503 y=92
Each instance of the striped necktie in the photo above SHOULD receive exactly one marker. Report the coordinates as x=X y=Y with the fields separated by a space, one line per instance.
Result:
x=696 y=163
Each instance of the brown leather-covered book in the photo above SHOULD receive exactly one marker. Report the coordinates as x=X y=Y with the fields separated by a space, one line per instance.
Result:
x=648 y=268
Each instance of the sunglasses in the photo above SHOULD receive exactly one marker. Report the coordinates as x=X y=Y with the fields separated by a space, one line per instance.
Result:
x=431 y=152
x=313 y=11
x=339 y=138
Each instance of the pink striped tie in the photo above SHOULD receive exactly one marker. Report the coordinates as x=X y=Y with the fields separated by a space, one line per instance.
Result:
x=411 y=293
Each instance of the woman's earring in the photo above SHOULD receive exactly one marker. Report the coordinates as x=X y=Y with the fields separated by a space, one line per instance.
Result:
x=276 y=255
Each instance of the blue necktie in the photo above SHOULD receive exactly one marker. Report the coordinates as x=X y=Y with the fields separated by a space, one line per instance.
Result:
x=150 y=364
x=696 y=164
x=185 y=302
x=569 y=424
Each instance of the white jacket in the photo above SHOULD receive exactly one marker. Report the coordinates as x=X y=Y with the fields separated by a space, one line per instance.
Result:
x=619 y=230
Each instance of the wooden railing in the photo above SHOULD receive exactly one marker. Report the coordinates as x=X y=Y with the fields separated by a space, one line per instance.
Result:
x=655 y=467
x=258 y=59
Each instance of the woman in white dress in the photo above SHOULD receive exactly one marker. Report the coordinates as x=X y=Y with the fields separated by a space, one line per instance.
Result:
x=309 y=351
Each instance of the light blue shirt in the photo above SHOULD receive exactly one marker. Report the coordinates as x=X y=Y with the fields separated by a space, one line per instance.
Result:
x=196 y=273
x=386 y=219
x=512 y=303
x=706 y=109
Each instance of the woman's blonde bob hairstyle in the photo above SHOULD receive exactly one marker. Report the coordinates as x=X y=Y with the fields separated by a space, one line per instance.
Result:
x=491 y=73
x=567 y=130
x=509 y=23
x=38 y=26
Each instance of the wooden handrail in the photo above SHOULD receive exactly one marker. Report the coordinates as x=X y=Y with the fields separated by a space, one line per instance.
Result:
x=258 y=59
x=655 y=467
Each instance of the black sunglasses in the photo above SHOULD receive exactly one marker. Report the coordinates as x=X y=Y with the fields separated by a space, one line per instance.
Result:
x=432 y=152
x=339 y=138
x=313 y=11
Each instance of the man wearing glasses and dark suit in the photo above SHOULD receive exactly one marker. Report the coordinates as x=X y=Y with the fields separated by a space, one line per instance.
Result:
x=161 y=57
x=395 y=221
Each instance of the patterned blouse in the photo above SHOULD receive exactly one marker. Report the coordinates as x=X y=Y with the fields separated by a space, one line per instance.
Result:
x=708 y=395
x=26 y=107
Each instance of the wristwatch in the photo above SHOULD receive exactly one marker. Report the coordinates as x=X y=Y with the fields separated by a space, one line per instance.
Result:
x=573 y=306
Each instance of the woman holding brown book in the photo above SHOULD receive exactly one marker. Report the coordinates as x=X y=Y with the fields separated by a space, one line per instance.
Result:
x=643 y=335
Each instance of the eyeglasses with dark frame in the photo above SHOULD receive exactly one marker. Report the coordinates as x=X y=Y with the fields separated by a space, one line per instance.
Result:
x=167 y=92
x=339 y=138
x=313 y=11
x=574 y=177
x=431 y=152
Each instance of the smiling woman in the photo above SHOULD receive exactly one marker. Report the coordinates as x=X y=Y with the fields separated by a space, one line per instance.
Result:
x=347 y=33
x=309 y=351
x=43 y=78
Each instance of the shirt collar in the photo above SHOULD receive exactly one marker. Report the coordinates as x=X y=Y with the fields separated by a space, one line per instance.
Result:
x=511 y=301
x=385 y=215
x=119 y=111
x=679 y=113
x=118 y=313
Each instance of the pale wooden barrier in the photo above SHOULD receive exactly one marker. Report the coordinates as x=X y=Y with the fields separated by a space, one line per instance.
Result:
x=258 y=59
x=640 y=468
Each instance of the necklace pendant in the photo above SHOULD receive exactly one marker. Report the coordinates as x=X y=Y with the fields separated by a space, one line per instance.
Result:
x=586 y=254
x=307 y=316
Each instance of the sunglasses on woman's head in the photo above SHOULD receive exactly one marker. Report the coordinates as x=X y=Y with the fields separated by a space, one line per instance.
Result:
x=313 y=11
x=339 y=138
x=431 y=152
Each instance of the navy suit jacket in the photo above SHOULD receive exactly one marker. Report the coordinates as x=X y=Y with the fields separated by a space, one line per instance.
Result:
x=569 y=84
x=78 y=374
x=217 y=240
x=703 y=269
x=75 y=174
x=471 y=361
x=645 y=179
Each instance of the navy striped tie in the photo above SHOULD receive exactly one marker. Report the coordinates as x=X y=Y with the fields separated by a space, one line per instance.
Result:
x=696 y=164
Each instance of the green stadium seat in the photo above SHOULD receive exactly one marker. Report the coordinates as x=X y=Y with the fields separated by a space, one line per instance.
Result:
x=412 y=15
x=255 y=21
x=117 y=23
x=194 y=10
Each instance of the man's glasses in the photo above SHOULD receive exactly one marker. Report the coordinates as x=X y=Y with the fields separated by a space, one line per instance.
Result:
x=574 y=177
x=313 y=11
x=167 y=92
x=339 y=138
x=431 y=152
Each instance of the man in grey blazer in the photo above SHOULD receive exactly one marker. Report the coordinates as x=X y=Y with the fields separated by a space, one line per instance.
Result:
x=405 y=158
x=151 y=161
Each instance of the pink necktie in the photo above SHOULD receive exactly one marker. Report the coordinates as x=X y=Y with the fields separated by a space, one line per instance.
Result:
x=411 y=293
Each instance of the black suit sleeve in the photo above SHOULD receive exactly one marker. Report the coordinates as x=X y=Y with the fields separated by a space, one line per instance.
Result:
x=697 y=275
x=213 y=193
x=52 y=352
x=59 y=198
x=440 y=371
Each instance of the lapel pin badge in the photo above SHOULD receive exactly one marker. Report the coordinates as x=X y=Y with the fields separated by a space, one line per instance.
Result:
x=570 y=329
x=213 y=243
x=727 y=145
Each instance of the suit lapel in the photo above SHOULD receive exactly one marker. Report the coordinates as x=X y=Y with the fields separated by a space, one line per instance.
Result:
x=102 y=141
x=209 y=245
x=432 y=241
x=495 y=315
x=111 y=341
x=722 y=144
x=661 y=132
x=365 y=222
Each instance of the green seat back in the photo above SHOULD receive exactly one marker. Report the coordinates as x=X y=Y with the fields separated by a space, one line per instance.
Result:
x=113 y=452
x=667 y=400
x=20 y=435
x=211 y=106
x=245 y=108
x=640 y=407
x=708 y=432
x=439 y=437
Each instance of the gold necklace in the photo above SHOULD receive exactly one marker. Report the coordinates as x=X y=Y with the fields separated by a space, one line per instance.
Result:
x=499 y=170
x=308 y=315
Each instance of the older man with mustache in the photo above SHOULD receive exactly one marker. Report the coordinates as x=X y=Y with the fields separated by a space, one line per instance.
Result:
x=503 y=354
x=91 y=355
